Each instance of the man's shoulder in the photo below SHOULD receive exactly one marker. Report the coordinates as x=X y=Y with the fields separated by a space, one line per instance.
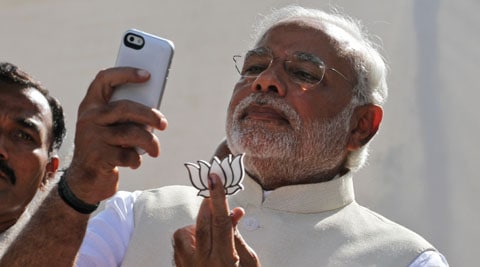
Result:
x=168 y=193
x=372 y=223
x=167 y=197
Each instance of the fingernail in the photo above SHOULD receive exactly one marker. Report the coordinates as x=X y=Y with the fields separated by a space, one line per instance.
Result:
x=143 y=73
x=164 y=122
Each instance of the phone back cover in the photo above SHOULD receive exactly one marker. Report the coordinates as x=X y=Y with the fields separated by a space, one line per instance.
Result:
x=155 y=56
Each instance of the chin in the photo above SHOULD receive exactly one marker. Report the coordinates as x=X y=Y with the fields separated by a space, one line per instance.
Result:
x=260 y=142
x=281 y=159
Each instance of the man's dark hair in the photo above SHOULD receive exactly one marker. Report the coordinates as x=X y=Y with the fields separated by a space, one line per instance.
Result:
x=9 y=73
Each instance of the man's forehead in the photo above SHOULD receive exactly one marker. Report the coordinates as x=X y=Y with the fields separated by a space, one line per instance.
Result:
x=26 y=102
x=294 y=33
x=332 y=33
x=326 y=40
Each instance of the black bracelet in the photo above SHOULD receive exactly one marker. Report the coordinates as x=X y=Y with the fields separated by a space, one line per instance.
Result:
x=77 y=204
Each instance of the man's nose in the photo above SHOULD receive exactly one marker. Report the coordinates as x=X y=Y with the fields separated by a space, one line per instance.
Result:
x=273 y=79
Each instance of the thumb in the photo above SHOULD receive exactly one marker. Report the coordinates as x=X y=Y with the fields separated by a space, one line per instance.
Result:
x=248 y=257
x=184 y=246
x=236 y=214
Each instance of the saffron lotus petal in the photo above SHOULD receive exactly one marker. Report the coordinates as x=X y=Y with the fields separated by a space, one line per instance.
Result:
x=230 y=170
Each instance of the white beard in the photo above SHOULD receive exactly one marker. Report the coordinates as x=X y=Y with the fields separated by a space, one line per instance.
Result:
x=307 y=150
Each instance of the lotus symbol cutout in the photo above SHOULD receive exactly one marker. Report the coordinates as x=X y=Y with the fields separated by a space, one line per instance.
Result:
x=230 y=170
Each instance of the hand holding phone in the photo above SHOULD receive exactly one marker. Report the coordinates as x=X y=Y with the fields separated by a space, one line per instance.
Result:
x=149 y=52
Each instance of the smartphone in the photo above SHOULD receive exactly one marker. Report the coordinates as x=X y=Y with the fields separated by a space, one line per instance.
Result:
x=149 y=52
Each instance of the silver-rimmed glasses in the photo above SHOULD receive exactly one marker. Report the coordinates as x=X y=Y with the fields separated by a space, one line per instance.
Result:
x=304 y=69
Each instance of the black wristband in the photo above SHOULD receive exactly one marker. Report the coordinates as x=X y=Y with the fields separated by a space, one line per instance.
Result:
x=77 y=204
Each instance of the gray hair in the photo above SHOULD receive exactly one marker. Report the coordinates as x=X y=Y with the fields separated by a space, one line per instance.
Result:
x=368 y=64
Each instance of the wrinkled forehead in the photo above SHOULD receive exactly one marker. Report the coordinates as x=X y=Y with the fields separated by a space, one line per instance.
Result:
x=340 y=39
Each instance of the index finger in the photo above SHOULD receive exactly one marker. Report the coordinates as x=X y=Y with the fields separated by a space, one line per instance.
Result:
x=126 y=111
x=222 y=227
x=101 y=88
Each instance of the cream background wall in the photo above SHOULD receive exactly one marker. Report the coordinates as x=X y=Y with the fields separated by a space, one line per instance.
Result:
x=422 y=171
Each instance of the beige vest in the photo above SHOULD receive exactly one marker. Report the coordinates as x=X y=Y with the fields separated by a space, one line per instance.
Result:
x=301 y=225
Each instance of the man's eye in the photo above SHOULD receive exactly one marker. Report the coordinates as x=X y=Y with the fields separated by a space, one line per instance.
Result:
x=254 y=69
x=21 y=135
x=306 y=77
x=305 y=72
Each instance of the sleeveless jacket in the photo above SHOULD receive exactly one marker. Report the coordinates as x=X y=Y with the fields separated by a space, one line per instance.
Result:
x=300 y=225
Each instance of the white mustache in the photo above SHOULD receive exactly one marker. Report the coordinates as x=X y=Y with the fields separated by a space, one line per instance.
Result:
x=266 y=100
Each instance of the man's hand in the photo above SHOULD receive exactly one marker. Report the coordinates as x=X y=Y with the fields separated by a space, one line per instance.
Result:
x=107 y=133
x=214 y=240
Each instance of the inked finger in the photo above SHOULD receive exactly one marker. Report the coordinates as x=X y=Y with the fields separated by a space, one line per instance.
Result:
x=203 y=229
x=222 y=227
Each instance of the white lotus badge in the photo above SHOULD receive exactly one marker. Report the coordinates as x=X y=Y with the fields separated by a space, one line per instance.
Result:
x=230 y=170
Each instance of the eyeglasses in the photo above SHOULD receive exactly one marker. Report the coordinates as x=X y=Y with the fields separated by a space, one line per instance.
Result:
x=304 y=69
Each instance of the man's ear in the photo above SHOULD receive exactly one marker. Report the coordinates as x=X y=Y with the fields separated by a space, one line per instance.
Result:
x=364 y=125
x=50 y=170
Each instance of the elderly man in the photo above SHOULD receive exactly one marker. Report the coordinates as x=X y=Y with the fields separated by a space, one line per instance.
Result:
x=32 y=128
x=306 y=106
x=304 y=110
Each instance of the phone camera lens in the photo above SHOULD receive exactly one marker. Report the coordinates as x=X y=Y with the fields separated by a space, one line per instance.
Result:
x=131 y=39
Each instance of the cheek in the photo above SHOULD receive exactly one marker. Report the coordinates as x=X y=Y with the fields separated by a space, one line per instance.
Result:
x=30 y=170
x=240 y=91
x=319 y=105
x=307 y=107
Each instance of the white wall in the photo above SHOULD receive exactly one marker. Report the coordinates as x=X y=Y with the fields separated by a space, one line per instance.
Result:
x=421 y=171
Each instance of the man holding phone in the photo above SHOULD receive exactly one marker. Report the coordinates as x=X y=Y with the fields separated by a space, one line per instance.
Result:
x=307 y=104
x=105 y=138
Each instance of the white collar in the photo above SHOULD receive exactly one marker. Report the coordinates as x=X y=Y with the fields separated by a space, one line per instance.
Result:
x=302 y=198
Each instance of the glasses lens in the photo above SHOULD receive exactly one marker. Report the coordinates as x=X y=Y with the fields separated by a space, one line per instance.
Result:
x=305 y=73
x=252 y=64
x=305 y=69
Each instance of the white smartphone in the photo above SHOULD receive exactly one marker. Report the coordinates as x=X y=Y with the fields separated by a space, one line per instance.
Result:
x=149 y=52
